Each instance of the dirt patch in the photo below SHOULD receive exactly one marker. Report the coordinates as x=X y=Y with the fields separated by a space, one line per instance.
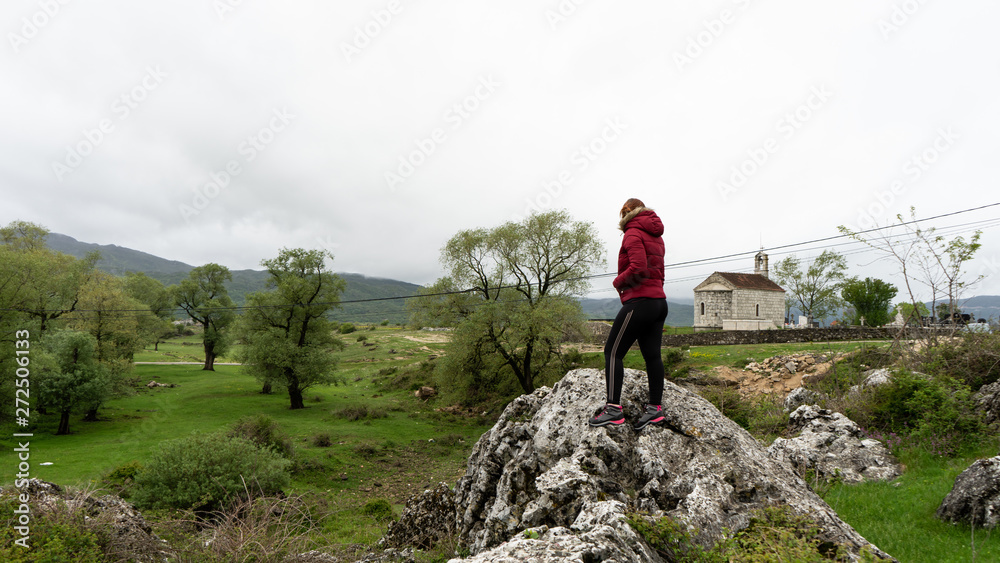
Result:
x=751 y=384
x=778 y=375
x=430 y=337
x=582 y=347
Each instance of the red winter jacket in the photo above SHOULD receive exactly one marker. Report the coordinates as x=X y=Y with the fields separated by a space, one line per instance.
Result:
x=640 y=260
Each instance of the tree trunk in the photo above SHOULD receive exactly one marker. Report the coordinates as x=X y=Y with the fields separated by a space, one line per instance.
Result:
x=209 y=357
x=90 y=416
x=528 y=383
x=295 y=396
x=63 y=424
x=266 y=388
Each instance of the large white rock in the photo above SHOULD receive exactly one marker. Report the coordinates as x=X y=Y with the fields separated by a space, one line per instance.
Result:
x=832 y=446
x=542 y=468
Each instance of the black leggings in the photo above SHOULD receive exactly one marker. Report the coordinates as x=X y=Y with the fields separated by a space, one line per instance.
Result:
x=639 y=319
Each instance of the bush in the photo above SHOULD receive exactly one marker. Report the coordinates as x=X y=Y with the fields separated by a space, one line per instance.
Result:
x=122 y=478
x=347 y=328
x=70 y=528
x=761 y=416
x=410 y=378
x=451 y=439
x=672 y=357
x=360 y=412
x=205 y=471
x=56 y=535
x=774 y=534
x=973 y=359
x=848 y=371
x=322 y=440
x=379 y=509
x=572 y=356
x=362 y=338
x=937 y=410
x=265 y=432
x=262 y=529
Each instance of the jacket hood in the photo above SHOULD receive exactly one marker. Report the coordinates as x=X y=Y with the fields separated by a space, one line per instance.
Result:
x=642 y=218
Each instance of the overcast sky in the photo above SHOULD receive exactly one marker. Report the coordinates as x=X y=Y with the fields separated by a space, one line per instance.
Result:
x=222 y=131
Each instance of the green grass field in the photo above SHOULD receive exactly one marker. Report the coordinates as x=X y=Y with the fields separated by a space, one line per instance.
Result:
x=412 y=445
x=899 y=516
x=407 y=448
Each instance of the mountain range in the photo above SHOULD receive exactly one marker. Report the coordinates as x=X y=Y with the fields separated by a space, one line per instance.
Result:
x=365 y=297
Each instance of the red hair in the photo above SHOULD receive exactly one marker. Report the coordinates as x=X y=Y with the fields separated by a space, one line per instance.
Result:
x=631 y=205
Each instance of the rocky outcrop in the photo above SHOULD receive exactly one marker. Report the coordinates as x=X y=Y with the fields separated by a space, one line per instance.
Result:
x=420 y=525
x=129 y=538
x=801 y=396
x=598 y=533
x=832 y=447
x=988 y=399
x=975 y=498
x=873 y=378
x=425 y=393
x=543 y=470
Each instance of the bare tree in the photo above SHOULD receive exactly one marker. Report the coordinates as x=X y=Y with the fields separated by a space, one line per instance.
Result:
x=925 y=257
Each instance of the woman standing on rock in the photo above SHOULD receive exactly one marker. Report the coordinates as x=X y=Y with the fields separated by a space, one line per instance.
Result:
x=644 y=309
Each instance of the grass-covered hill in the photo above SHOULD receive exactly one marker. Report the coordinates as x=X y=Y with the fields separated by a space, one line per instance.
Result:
x=118 y=260
x=367 y=293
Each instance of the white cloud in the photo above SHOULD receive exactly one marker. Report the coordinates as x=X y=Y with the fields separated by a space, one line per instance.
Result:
x=321 y=179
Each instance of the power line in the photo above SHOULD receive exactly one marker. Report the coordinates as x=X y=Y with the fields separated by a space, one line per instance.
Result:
x=676 y=265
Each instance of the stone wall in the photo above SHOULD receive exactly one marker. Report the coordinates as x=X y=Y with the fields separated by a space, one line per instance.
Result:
x=782 y=336
x=599 y=334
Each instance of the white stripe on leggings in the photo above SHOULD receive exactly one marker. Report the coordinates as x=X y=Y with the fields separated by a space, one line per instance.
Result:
x=614 y=354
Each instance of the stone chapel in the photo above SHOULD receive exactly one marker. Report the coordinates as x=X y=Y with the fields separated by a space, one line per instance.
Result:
x=737 y=301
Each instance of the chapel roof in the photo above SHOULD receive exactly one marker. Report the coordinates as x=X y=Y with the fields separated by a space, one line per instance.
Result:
x=750 y=281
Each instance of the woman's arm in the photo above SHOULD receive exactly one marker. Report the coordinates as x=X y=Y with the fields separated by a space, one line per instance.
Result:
x=637 y=269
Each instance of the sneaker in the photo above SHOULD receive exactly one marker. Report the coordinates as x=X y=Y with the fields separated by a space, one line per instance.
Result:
x=608 y=414
x=653 y=415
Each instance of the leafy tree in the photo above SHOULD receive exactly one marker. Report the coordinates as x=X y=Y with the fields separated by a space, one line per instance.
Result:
x=204 y=298
x=870 y=298
x=71 y=378
x=23 y=236
x=154 y=326
x=913 y=314
x=51 y=281
x=108 y=314
x=57 y=280
x=441 y=304
x=519 y=279
x=287 y=338
x=15 y=290
x=814 y=291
